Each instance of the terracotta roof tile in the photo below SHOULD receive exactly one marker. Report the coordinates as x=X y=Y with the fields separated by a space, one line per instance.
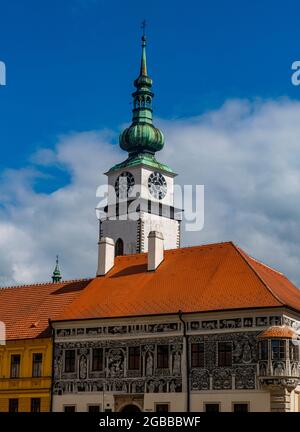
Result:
x=283 y=331
x=201 y=278
x=26 y=309
x=195 y=279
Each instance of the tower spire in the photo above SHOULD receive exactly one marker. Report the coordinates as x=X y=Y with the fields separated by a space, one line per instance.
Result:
x=143 y=70
x=142 y=137
x=56 y=276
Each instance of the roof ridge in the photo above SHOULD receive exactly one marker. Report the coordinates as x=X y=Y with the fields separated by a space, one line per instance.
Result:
x=245 y=257
x=44 y=283
x=267 y=266
x=204 y=245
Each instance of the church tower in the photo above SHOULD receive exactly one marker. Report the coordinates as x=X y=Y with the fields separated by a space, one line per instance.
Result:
x=141 y=189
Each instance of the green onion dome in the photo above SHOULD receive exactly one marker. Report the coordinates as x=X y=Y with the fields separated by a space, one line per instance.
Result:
x=140 y=138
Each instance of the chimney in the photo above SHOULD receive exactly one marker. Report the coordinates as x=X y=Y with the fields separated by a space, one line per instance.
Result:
x=155 y=250
x=106 y=255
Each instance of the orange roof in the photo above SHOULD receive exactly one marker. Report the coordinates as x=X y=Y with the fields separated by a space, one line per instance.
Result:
x=194 y=279
x=283 y=331
x=26 y=309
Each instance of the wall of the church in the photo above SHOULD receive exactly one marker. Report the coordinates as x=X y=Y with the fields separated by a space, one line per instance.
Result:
x=135 y=233
x=168 y=227
x=128 y=231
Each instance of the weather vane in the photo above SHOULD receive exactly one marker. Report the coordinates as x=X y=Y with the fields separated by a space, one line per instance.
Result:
x=143 y=27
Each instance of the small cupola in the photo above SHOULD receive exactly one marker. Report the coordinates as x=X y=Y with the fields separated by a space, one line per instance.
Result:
x=56 y=275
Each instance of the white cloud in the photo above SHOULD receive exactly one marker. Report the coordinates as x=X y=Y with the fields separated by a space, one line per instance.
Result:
x=247 y=154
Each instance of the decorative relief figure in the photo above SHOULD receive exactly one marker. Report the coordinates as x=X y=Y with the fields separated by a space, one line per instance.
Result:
x=195 y=325
x=149 y=364
x=177 y=363
x=151 y=387
x=237 y=351
x=161 y=386
x=200 y=379
x=172 y=387
x=275 y=320
x=247 y=354
x=58 y=364
x=261 y=321
x=210 y=325
x=295 y=370
x=231 y=323
x=83 y=367
x=222 y=379
x=245 y=378
x=248 y=322
x=115 y=362
x=278 y=369
x=262 y=369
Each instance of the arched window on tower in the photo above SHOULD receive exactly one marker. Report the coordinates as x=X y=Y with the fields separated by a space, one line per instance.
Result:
x=119 y=248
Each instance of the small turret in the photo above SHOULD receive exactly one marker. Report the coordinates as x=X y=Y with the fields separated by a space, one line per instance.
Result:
x=56 y=276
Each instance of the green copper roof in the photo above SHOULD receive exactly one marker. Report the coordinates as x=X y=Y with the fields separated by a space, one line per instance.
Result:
x=142 y=159
x=56 y=276
x=142 y=136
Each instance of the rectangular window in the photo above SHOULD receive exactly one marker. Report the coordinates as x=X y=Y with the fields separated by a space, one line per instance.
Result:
x=225 y=354
x=13 y=405
x=15 y=366
x=212 y=407
x=70 y=361
x=35 y=405
x=240 y=407
x=164 y=407
x=69 y=408
x=37 y=359
x=278 y=349
x=263 y=350
x=97 y=361
x=162 y=356
x=134 y=362
x=160 y=209
x=94 y=408
x=294 y=351
x=197 y=354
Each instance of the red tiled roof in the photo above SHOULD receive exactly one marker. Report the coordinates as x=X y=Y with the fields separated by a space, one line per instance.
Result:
x=283 y=331
x=194 y=279
x=26 y=309
x=201 y=278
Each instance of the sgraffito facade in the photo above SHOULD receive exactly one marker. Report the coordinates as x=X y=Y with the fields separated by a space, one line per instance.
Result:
x=145 y=363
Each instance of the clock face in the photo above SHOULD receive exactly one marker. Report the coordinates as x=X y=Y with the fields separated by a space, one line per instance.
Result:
x=157 y=185
x=124 y=184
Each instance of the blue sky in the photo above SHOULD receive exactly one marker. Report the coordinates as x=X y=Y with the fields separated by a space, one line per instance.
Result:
x=223 y=98
x=70 y=64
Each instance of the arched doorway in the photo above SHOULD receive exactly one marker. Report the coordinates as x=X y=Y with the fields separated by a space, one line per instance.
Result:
x=130 y=408
x=119 y=248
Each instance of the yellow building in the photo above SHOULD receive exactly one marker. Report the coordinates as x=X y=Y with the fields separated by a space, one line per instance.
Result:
x=25 y=375
x=26 y=356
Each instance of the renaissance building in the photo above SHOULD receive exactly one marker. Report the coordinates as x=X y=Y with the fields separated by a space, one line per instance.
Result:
x=203 y=328
x=160 y=327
